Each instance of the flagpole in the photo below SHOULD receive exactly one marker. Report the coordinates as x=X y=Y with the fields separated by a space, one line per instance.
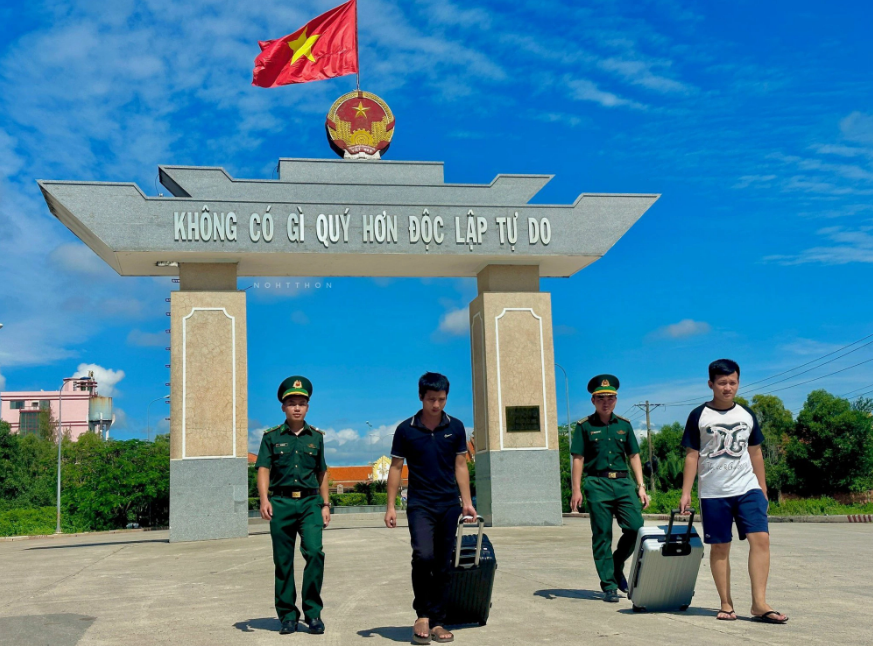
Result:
x=357 y=56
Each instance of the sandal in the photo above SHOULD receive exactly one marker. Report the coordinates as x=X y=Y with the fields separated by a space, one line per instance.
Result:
x=420 y=639
x=442 y=636
x=768 y=617
x=730 y=615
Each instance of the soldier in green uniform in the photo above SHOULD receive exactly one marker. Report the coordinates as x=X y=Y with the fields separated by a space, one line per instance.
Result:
x=291 y=466
x=603 y=443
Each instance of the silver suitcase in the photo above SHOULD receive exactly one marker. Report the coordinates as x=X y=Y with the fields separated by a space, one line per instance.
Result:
x=666 y=561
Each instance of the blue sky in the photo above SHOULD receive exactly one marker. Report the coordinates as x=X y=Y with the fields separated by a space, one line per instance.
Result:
x=753 y=120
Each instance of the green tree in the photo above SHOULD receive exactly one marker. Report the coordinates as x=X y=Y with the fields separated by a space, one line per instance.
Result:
x=776 y=425
x=669 y=456
x=564 y=454
x=863 y=404
x=831 y=448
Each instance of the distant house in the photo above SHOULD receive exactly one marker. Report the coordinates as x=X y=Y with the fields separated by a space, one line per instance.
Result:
x=253 y=457
x=348 y=477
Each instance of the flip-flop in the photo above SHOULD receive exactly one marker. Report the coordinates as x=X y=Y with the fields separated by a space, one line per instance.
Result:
x=727 y=612
x=767 y=617
x=420 y=639
x=443 y=639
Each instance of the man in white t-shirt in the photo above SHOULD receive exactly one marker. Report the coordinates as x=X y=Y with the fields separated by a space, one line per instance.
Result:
x=723 y=448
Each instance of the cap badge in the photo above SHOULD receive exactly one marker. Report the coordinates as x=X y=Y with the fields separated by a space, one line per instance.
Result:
x=298 y=384
x=604 y=383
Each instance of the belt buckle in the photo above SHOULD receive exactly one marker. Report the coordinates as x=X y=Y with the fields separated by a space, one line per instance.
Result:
x=296 y=494
x=612 y=475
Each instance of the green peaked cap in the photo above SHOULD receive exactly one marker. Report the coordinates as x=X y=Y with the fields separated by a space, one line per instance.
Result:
x=295 y=385
x=607 y=384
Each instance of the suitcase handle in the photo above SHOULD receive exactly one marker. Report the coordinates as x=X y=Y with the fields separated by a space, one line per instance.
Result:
x=481 y=523
x=681 y=547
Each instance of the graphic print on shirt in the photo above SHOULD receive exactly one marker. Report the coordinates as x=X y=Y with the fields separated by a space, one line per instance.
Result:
x=727 y=440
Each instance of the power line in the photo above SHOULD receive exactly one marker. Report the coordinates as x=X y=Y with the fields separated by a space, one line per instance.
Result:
x=857 y=389
x=816 y=378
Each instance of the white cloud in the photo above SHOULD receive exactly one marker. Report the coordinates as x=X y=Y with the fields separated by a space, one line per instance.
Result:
x=299 y=318
x=148 y=339
x=120 y=419
x=683 y=329
x=848 y=246
x=78 y=258
x=455 y=322
x=585 y=90
x=858 y=127
x=2 y=382
x=640 y=73
x=107 y=379
x=255 y=435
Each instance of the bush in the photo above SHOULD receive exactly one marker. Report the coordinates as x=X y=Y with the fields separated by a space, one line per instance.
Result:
x=34 y=522
x=382 y=499
x=348 y=499
x=817 y=507
x=254 y=503
x=663 y=502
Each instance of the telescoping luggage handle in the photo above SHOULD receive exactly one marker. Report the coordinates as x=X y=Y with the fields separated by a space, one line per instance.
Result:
x=481 y=523
x=682 y=546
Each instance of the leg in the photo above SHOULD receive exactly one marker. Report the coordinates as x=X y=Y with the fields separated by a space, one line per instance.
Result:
x=283 y=533
x=421 y=532
x=311 y=527
x=445 y=533
x=717 y=516
x=599 y=502
x=751 y=515
x=629 y=514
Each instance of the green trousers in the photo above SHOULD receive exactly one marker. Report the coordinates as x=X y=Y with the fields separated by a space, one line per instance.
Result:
x=293 y=517
x=606 y=499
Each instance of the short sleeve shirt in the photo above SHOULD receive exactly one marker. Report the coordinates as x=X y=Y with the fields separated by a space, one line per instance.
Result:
x=430 y=456
x=293 y=460
x=723 y=438
x=604 y=447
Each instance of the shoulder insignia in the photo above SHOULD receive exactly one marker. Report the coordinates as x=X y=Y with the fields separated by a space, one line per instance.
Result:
x=624 y=419
x=317 y=430
x=583 y=420
x=270 y=430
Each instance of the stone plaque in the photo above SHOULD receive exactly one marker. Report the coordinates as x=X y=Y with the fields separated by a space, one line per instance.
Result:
x=521 y=419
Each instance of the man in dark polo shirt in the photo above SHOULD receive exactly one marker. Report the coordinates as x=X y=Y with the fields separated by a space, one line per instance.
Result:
x=434 y=446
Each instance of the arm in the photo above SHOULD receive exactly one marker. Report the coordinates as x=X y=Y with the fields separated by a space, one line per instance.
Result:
x=263 y=488
x=757 y=456
x=637 y=467
x=462 y=475
x=394 y=476
x=325 y=496
x=576 y=478
x=688 y=476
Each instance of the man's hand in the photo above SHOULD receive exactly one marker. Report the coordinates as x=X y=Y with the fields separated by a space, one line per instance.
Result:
x=391 y=518
x=644 y=497
x=325 y=515
x=266 y=509
x=469 y=510
x=685 y=503
x=576 y=501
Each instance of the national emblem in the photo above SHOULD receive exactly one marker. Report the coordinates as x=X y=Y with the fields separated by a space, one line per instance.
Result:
x=298 y=384
x=603 y=384
x=360 y=126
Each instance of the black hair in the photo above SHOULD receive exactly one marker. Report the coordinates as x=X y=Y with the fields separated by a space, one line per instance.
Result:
x=432 y=381
x=723 y=367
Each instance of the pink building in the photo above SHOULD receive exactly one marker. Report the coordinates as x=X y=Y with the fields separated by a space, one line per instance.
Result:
x=83 y=409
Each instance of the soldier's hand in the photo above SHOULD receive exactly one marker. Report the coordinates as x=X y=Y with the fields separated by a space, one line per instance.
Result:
x=391 y=518
x=644 y=497
x=325 y=515
x=266 y=510
x=576 y=501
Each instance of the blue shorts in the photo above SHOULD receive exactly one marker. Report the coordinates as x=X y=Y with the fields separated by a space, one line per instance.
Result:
x=749 y=511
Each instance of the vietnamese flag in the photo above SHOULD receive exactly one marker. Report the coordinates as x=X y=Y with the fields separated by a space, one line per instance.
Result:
x=323 y=48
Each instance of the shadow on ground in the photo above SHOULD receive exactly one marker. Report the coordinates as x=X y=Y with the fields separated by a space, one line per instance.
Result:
x=562 y=593
x=403 y=634
x=122 y=543
x=59 y=630
x=264 y=623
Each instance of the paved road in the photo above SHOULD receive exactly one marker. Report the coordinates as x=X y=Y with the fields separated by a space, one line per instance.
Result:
x=138 y=589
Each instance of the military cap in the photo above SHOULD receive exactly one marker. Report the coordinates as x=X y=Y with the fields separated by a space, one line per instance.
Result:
x=606 y=384
x=295 y=385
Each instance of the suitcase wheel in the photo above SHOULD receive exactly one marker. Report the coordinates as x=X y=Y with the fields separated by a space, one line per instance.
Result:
x=639 y=609
x=482 y=623
x=683 y=608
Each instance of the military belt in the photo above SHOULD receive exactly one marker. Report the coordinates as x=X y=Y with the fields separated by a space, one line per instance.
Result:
x=294 y=492
x=612 y=475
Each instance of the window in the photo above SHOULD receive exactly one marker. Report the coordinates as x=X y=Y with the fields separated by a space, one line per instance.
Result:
x=44 y=404
x=16 y=404
x=28 y=422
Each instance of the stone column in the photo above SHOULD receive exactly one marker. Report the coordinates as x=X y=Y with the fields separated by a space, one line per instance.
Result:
x=208 y=407
x=514 y=405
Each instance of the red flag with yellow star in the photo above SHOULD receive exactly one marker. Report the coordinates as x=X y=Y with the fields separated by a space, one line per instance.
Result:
x=323 y=48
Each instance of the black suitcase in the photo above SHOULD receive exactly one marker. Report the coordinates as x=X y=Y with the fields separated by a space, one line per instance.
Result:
x=471 y=577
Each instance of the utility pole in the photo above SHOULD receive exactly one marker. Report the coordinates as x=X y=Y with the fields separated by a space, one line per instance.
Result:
x=648 y=408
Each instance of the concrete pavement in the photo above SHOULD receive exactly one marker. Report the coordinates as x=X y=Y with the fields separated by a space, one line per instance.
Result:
x=137 y=588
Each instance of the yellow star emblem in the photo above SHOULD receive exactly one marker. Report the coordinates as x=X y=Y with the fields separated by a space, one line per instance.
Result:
x=360 y=110
x=302 y=46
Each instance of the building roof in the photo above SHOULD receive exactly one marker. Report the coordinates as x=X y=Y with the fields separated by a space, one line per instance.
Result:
x=252 y=458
